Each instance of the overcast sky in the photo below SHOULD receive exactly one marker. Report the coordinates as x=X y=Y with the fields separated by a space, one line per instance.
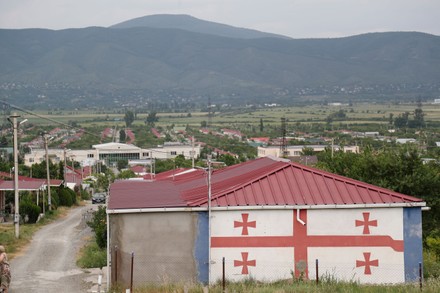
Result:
x=294 y=18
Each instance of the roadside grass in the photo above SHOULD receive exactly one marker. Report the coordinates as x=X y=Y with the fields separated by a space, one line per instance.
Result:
x=430 y=286
x=26 y=231
x=92 y=256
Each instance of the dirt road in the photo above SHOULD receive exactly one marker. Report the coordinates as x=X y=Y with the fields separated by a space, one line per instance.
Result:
x=48 y=264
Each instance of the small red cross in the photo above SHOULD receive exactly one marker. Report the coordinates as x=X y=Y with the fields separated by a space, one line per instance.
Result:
x=367 y=263
x=245 y=224
x=245 y=263
x=366 y=223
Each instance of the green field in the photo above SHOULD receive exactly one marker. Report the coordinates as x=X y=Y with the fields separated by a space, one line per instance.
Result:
x=355 y=114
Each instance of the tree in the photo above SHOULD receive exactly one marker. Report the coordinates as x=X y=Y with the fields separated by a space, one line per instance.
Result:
x=307 y=151
x=151 y=118
x=121 y=164
x=125 y=174
x=203 y=124
x=261 y=125
x=227 y=159
x=419 y=120
x=129 y=118
x=122 y=135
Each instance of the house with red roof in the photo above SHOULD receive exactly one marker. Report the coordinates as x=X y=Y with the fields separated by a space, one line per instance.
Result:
x=267 y=219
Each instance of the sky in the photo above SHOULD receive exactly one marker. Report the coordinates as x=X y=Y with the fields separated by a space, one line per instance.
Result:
x=293 y=18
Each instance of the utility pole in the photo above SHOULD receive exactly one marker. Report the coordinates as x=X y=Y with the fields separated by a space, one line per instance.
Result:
x=15 y=125
x=192 y=151
x=209 y=219
x=49 y=201
x=64 y=171
x=14 y=117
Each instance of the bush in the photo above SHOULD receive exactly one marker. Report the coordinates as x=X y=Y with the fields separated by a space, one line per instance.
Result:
x=431 y=265
x=85 y=195
x=31 y=210
x=99 y=226
x=92 y=256
x=55 y=201
x=67 y=197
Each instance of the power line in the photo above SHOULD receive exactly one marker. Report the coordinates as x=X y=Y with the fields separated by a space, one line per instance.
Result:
x=46 y=118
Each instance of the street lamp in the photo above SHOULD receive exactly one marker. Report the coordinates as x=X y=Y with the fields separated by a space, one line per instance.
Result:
x=13 y=120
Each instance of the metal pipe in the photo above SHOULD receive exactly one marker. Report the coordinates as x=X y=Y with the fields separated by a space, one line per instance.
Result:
x=131 y=273
x=116 y=264
x=299 y=219
x=317 y=272
x=224 y=276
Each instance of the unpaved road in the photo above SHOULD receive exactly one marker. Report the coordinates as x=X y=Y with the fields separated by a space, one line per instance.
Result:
x=48 y=263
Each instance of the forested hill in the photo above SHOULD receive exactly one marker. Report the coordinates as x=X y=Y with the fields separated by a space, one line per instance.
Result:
x=154 y=61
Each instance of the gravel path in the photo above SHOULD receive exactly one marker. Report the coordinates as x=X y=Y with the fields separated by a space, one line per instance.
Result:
x=48 y=263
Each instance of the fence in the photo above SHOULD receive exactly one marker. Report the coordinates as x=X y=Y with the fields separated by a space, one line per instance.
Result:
x=166 y=269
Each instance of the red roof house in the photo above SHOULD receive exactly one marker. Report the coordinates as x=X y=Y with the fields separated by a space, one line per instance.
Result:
x=278 y=214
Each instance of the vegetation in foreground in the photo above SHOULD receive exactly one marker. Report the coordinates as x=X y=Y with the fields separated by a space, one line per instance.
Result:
x=14 y=245
x=327 y=285
x=92 y=256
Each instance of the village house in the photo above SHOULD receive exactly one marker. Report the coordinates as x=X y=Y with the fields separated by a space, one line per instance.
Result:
x=267 y=218
x=296 y=150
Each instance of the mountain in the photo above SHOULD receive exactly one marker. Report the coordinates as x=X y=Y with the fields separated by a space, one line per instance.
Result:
x=116 y=65
x=192 y=24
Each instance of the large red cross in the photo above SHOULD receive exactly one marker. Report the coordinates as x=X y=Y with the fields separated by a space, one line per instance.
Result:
x=366 y=223
x=301 y=241
x=367 y=263
x=245 y=224
x=245 y=263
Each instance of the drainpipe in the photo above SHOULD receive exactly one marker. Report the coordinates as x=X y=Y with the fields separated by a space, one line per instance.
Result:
x=298 y=218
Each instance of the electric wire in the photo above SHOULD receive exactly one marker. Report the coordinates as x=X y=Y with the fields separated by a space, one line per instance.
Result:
x=48 y=119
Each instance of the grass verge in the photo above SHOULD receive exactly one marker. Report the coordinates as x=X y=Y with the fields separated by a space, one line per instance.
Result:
x=430 y=286
x=92 y=256
x=15 y=245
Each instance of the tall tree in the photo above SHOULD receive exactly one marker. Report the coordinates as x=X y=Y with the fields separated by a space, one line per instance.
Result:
x=152 y=118
x=122 y=135
x=129 y=118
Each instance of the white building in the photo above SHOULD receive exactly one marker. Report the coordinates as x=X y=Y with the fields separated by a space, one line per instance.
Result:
x=296 y=150
x=110 y=153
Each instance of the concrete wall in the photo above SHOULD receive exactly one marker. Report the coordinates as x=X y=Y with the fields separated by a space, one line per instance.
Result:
x=164 y=246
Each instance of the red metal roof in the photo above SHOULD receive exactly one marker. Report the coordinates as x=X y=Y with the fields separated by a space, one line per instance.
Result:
x=22 y=185
x=261 y=182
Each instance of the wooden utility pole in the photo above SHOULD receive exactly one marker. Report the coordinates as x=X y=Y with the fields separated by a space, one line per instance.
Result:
x=49 y=201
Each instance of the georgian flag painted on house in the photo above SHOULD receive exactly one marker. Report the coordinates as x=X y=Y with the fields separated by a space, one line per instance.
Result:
x=353 y=244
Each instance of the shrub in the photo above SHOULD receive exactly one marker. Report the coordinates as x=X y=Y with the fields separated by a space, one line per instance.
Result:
x=85 y=195
x=67 y=197
x=92 y=256
x=99 y=226
x=31 y=210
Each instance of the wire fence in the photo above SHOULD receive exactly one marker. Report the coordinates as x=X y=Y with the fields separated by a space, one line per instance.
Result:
x=131 y=270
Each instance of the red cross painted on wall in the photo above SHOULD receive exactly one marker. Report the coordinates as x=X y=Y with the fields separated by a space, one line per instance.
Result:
x=245 y=263
x=245 y=224
x=301 y=241
x=367 y=263
x=366 y=223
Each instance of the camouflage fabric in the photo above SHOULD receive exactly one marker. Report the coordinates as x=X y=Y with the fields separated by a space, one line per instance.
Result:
x=5 y=274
